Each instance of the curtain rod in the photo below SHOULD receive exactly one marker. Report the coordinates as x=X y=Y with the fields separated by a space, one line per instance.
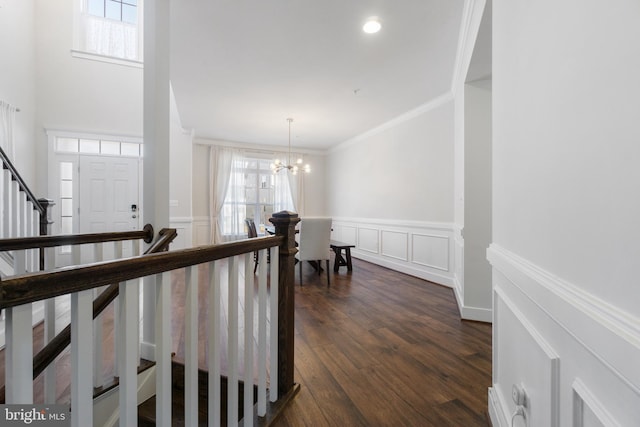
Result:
x=17 y=109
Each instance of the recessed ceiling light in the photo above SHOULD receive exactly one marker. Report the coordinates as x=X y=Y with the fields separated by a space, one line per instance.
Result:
x=372 y=25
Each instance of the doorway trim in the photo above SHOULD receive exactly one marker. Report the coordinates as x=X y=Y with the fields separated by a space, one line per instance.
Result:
x=60 y=149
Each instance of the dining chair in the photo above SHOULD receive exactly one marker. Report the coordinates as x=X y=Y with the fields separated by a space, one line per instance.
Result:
x=313 y=244
x=251 y=233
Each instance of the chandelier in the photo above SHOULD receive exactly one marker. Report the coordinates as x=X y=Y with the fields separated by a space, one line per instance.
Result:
x=278 y=165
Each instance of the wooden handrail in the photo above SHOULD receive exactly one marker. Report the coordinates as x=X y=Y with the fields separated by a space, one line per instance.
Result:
x=57 y=345
x=35 y=242
x=34 y=287
x=6 y=164
x=38 y=286
x=54 y=347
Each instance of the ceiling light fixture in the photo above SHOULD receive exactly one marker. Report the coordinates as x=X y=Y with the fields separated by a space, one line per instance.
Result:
x=372 y=25
x=277 y=166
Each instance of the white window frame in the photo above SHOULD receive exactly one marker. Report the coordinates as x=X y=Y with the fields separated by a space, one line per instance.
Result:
x=79 y=8
x=254 y=205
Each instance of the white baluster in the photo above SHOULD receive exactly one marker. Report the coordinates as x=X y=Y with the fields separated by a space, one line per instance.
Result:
x=262 y=334
x=15 y=210
x=49 y=332
x=232 y=349
x=163 y=349
x=24 y=212
x=128 y=364
x=136 y=252
x=35 y=218
x=76 y=254
x=273 y=339
x=248 y=339
x=81 y=359
x=191 y=346
x=3 y=205
x=214 y=345
x=117 y=351
x=28 y=232
x=19 y=354
x=98 y=379
x=7 y=204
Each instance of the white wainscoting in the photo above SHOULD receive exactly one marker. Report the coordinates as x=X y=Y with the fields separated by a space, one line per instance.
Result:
x=584 y=372
x=421 y=249
x=201 y=231
x=184 y=228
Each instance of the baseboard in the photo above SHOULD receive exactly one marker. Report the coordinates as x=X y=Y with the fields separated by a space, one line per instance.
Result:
x=497 y=412
x=106 y=406
x=418 y=248
x=472 y=313
x=402 y=268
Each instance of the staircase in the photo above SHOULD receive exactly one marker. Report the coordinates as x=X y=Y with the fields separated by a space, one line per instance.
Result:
x=147 y=410
x=257 y=309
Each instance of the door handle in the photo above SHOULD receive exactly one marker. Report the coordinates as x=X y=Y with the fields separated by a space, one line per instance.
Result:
x=134 y=216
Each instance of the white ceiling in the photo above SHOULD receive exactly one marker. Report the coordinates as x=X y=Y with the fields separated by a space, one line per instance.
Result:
x=240 y=68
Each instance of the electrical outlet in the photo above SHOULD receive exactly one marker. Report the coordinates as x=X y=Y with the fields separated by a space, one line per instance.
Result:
x=519 y=395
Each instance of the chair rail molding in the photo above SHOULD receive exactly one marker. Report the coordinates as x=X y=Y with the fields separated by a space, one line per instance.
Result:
x=184 y=227
x=201 y=230
x=596 y=342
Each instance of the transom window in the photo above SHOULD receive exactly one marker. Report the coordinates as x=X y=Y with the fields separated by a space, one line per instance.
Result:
x=98 y=147
x=118 y=10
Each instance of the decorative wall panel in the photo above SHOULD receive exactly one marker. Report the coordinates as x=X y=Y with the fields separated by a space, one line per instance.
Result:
x=394 y=244
x=431 y=251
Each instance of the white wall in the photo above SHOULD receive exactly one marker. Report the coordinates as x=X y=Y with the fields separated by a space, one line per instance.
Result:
x=476 y=295
x=79 y=94
x=565 y=246
x=17 y=84
x=390 y=192
x=180 y=177
x=404 y=170
x=315 y=186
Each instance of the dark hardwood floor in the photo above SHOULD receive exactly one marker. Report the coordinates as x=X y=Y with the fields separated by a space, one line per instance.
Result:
x=376 y=348
x=382 y=348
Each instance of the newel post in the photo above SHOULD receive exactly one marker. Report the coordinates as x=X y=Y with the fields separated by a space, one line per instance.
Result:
x=45 y=224
x=285 y=223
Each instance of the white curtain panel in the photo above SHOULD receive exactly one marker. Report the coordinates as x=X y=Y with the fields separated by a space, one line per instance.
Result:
x=220 y=164
x=110 y=38
x=227 y=177
x=7 y=126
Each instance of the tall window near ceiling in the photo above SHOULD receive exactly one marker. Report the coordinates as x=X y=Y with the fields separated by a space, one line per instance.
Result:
x=109 y=29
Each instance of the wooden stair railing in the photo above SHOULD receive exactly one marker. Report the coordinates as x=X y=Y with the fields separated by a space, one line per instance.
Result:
x=53 y=348
x=33 y=287
x=22 y=243
x=42 y=206
x=15 y=176
x=39 y=286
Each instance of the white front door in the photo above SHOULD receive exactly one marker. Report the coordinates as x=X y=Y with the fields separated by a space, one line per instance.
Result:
x=108 y=195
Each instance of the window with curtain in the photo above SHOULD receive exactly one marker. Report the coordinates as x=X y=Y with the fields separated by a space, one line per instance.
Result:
x=255 y=192
x=110 y=28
